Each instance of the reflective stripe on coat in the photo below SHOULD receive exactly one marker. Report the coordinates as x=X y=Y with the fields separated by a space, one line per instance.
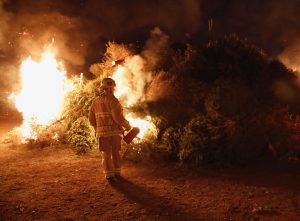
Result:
x=106 y=115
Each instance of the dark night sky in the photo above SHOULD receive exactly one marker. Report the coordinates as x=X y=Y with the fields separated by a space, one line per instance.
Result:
x=82 y=27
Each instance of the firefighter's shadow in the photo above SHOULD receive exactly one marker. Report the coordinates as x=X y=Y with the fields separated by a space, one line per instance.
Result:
x=156 y=205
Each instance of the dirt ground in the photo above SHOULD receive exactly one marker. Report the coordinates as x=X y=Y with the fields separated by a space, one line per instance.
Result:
x=53 y=183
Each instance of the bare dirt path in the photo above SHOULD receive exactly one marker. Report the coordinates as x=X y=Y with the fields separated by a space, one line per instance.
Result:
x=55 y=184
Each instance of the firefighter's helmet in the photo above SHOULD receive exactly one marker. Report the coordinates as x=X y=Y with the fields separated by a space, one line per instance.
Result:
x=108 y=83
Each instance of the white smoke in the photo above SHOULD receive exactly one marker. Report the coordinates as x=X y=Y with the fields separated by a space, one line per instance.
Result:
x=156 y=48
x=131 y=79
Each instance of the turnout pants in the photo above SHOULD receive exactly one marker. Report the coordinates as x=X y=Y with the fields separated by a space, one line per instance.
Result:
x=111 y=159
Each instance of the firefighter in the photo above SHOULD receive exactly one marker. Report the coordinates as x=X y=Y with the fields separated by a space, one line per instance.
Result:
x=106 y=116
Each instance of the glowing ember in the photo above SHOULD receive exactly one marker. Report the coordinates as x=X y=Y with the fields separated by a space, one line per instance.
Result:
x=44 y=86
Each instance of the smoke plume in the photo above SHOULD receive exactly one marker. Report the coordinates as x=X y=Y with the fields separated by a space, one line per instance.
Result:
x=272 y=25
x=81 y=29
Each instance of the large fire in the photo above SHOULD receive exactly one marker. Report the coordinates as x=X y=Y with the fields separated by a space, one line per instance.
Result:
x=131 y=81
x=43 y=89
x=44 y=86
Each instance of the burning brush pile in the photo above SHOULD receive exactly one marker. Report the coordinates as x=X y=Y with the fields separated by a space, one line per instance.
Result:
x=223 y=102
x=55 y=109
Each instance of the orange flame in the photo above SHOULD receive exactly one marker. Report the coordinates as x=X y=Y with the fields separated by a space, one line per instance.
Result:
x=44 y=86
x=131 y=81
x=146 y=126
